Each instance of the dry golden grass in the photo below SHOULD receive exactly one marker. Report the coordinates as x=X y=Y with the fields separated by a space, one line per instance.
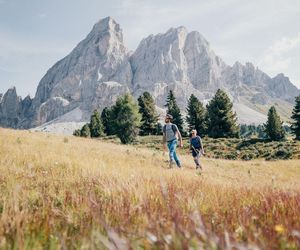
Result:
x=80 y=193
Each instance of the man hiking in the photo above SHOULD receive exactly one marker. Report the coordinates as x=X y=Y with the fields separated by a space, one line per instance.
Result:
x=196 y=148
x=170 y=136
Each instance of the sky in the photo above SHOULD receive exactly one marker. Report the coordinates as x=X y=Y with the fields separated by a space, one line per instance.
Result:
x=35 y=34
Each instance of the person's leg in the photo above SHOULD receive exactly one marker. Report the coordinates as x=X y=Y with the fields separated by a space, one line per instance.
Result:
x=171 y=153
x=195 y=157
x=175 y=155
x=196 y=160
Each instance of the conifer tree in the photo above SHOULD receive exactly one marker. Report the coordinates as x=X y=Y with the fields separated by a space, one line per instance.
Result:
x=296 y=119
x=85 y=131
x=106 y=118
x=96 y=126
x=149 y=115
x=221 y=120
x=173 y=109
x=127 y=118
x=196 y=115
x=77 y=132
x=261 y=132
x=159 y=129
x=273 y=126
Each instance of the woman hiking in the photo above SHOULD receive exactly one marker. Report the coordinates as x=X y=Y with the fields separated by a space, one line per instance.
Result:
x=196 y=148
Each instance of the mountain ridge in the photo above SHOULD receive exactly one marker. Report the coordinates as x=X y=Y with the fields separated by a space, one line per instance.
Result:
x=100 y=68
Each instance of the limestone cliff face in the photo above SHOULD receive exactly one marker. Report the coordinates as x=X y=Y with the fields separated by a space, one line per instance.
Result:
x=13 y=109
x=99 y=69
x=75 y=80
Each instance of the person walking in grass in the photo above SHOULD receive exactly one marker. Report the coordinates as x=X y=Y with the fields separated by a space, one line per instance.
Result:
x=196 y=147
x=171 y=135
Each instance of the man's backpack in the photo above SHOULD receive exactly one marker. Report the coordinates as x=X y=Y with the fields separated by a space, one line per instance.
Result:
x=173 y=128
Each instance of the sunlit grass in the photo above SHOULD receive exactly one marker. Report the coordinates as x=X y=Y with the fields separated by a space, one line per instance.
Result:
x=80 y=193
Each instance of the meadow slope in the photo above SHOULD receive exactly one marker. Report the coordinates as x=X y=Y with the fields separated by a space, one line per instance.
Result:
x=68 y=192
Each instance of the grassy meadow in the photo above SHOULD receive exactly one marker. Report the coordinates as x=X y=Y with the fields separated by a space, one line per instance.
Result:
x=73 y=193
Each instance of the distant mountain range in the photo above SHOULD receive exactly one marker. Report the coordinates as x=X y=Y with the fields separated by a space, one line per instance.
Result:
x=100 y=68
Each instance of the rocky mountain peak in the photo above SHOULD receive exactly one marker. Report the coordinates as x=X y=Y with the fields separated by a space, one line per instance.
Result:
x=281 y=87
x=105 y=24
x=11 y=94
x=10 y=108
x=281 y=77
x=107 y=33
x=73 y=81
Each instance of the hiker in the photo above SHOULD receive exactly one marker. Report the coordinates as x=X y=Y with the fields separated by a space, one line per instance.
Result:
x=196 y=148
x=170 y=136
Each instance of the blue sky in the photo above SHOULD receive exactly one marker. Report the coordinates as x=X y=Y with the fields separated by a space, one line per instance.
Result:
x=34 y=34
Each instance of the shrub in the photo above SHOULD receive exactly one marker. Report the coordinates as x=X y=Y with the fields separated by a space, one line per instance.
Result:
x=77 y=132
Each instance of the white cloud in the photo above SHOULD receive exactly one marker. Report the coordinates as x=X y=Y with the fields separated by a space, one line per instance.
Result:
x=280 y=55
x=42 y=15
x=284 y=45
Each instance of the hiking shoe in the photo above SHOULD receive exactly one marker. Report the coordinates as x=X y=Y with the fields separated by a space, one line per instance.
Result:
x=199 y=166
x=171 y=164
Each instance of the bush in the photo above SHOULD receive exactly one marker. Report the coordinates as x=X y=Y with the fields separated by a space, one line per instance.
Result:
x=283 y=154
x=247 y=156
x=85 y=131
x=77 y=132
x=231 y=156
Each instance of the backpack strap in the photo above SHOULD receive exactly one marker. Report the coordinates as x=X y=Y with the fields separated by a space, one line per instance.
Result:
x=164 y=129
x=174 y=128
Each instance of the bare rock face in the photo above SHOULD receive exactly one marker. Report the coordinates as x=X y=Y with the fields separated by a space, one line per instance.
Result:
x=160 y=58
x=100 y=57
x=107 y=93
x=204 y=68
x=100 y=69
x=178 y=61
x=13 y=109
x=281 y=87
x=10 y=108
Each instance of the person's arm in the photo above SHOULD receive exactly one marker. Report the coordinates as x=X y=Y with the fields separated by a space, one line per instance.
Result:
x=201 y=145
x=164 y=141
x=179 y=138
x=190 y=146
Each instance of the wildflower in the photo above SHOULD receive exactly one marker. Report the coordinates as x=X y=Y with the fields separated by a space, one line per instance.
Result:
x=279 y=229
x=151 y=237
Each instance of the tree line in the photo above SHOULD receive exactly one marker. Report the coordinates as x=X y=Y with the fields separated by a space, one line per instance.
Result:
x=127 y=119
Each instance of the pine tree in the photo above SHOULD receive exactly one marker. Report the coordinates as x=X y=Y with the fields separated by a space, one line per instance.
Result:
x=173 y=109
x=159 y=129
x=96 y=126
x=149 y=115
x=196 y=115
x=85 y=131
x=127 y=118
x=273 y=127
x=296 y=117
x=77 y=132
x=261 y=132
x=106 y=120
x=221 y=120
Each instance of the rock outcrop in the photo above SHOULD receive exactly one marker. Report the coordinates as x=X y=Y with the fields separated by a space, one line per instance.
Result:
x=13 y=109
x=100 y=68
